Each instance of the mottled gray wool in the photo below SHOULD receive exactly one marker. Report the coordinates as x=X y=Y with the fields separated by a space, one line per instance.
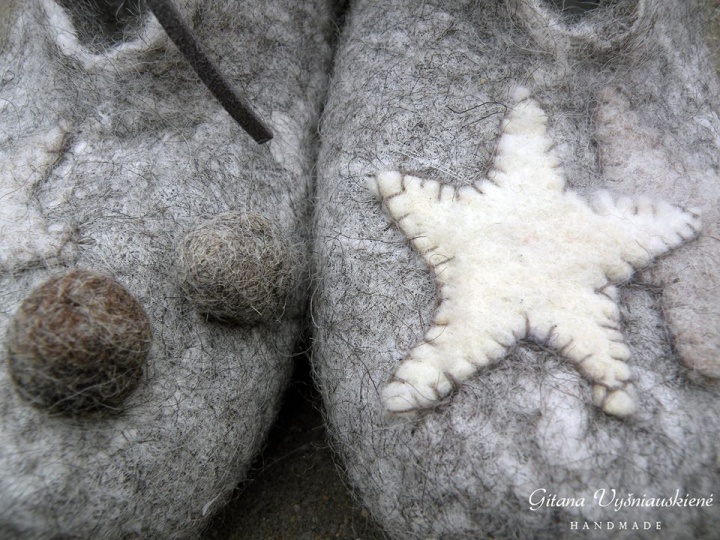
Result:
x=238 y=268
x=632 y=100
x=111 y=150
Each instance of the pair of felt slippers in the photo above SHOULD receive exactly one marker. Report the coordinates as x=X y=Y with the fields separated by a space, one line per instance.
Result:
x=483 y=374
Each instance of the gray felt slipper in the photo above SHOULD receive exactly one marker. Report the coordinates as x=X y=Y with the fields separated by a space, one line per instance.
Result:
x=518 y=304
x=151 y=259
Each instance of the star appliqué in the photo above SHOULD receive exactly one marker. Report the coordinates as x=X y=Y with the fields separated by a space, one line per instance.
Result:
x=519 y=256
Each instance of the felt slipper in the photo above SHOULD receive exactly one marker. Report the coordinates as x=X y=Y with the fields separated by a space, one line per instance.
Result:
x=517 y=306
x=151 y=258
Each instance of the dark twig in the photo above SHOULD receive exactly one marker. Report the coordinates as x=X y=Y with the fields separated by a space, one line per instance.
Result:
x=190 y=46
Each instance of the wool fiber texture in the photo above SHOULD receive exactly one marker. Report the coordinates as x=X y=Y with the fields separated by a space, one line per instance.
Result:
x=631 y=97
x=112 y=151
x=238 y=268
x=78 y=343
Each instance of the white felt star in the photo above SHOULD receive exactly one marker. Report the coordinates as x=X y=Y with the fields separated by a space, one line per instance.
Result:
x=518 y=256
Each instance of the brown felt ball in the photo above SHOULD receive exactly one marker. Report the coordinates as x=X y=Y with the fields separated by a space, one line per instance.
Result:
x=78 y=343
x=237 y=267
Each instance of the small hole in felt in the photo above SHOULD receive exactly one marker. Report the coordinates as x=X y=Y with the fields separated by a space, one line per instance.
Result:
x=101 y=24
x=576 y=8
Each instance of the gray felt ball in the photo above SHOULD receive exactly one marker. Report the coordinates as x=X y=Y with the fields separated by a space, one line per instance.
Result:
x=238 y=267
x=78 y=343
x=519 y=449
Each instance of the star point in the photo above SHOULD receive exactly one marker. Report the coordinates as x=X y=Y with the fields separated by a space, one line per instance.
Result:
x=519 y=256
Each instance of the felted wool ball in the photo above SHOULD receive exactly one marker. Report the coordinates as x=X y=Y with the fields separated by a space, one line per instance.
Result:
x=78 y=343
x=238 y=268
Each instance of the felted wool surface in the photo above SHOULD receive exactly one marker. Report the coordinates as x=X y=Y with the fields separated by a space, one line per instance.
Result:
x=111 y=150
x=631 y=98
